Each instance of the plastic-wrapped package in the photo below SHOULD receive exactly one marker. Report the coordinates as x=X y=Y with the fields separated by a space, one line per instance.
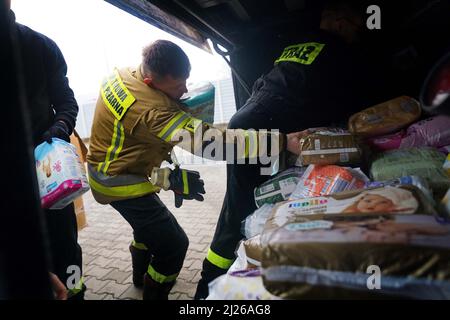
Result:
x=278 y=188
x=417 y=181
x=384 y=118
x=348 y=256
x=240 y=263
x=254 y=223
x=199 y=101
x=239 y=285
x=324 y=180
x=387 y=142
x=323 y=147
x=393 y=200
x=61 y=175
x=423 y=162
x=432 y=132
x=253 y=250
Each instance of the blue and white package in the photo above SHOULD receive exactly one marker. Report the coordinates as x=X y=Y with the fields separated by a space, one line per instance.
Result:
x=61 y=175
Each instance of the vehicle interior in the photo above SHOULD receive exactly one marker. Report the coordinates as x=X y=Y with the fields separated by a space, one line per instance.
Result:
x=251 y=33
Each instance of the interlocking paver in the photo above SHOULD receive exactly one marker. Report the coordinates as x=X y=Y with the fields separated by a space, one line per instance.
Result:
x=132 y=293
x=114 y=288
x=117 y=275
x=89 y=295
x=97 y=272
x=95 y=285
x=107 y=261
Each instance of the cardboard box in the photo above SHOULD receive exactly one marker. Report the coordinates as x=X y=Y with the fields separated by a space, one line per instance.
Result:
x=78 y=203
x=80 y=213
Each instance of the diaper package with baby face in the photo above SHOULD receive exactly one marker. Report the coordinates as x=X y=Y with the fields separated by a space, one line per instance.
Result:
x=61 y=175
x=405 y=199
x=358 y=256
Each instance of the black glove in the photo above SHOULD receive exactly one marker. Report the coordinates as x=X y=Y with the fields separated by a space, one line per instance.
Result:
x=58 y=130
x=186 y=184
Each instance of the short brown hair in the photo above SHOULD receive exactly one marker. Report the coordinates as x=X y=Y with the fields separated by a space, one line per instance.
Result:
x=162 y=58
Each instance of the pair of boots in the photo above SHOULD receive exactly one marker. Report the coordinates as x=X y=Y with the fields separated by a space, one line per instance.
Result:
x=152 y=290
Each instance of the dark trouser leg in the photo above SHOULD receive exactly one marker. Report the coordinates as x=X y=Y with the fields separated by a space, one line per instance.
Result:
x=238 y=203
x=65 y=251
x=156 y=228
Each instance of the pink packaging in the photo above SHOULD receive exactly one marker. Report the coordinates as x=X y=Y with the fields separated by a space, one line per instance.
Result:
x=387 y=142
x=431 y=132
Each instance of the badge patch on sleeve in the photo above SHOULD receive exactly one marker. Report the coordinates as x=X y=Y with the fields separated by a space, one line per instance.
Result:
x=192 y=124
x=116 y=95
x=304 y=53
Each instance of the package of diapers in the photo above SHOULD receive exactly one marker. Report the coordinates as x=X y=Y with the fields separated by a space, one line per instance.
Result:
x=278 y=188
x=329 y=146
x=431 y=132
x=405 y=199
x=239 y=285
x=323 y=180
x=424 y=162
x=386 y=117
x=337 y=256
x=61 y=175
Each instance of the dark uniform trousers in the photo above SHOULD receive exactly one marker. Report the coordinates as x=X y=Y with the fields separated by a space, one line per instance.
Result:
x=156 y=227
x=239 y=199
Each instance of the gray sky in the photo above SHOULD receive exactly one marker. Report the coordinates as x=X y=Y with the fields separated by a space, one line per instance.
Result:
x=86 y=32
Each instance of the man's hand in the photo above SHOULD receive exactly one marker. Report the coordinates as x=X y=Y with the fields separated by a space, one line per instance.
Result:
x=58 y=130
x=186 y=184
x=59 y=290
x=293 y=141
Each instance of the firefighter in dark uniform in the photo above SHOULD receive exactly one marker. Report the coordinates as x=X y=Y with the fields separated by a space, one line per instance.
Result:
x=316 y=81
x=138 y=120
x=52 y=111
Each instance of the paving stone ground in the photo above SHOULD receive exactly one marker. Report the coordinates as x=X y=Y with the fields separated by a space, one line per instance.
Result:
x=107 y=261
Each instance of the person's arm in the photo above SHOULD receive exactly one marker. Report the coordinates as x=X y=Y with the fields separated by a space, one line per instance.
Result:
x=60 y=94
x=201 y=138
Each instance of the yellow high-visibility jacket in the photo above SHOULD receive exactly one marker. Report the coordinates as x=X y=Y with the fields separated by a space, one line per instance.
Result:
x=133 y=131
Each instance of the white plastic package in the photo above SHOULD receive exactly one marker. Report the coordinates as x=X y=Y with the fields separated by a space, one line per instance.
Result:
x=61 y=175
x=240 y=285
x=254 y=223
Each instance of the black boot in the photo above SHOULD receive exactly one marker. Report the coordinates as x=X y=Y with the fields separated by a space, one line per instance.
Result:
x=209 y=273
x=79 y=296
x=156 y=291
x=140 y=260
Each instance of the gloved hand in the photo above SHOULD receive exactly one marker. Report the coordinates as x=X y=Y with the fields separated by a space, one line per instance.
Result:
x=58 y=130
x=186 y=184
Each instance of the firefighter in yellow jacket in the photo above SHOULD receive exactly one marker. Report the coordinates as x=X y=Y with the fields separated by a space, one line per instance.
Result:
x=138 y=120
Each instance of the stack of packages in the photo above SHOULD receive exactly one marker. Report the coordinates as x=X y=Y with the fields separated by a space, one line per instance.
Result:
x=325 y=230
